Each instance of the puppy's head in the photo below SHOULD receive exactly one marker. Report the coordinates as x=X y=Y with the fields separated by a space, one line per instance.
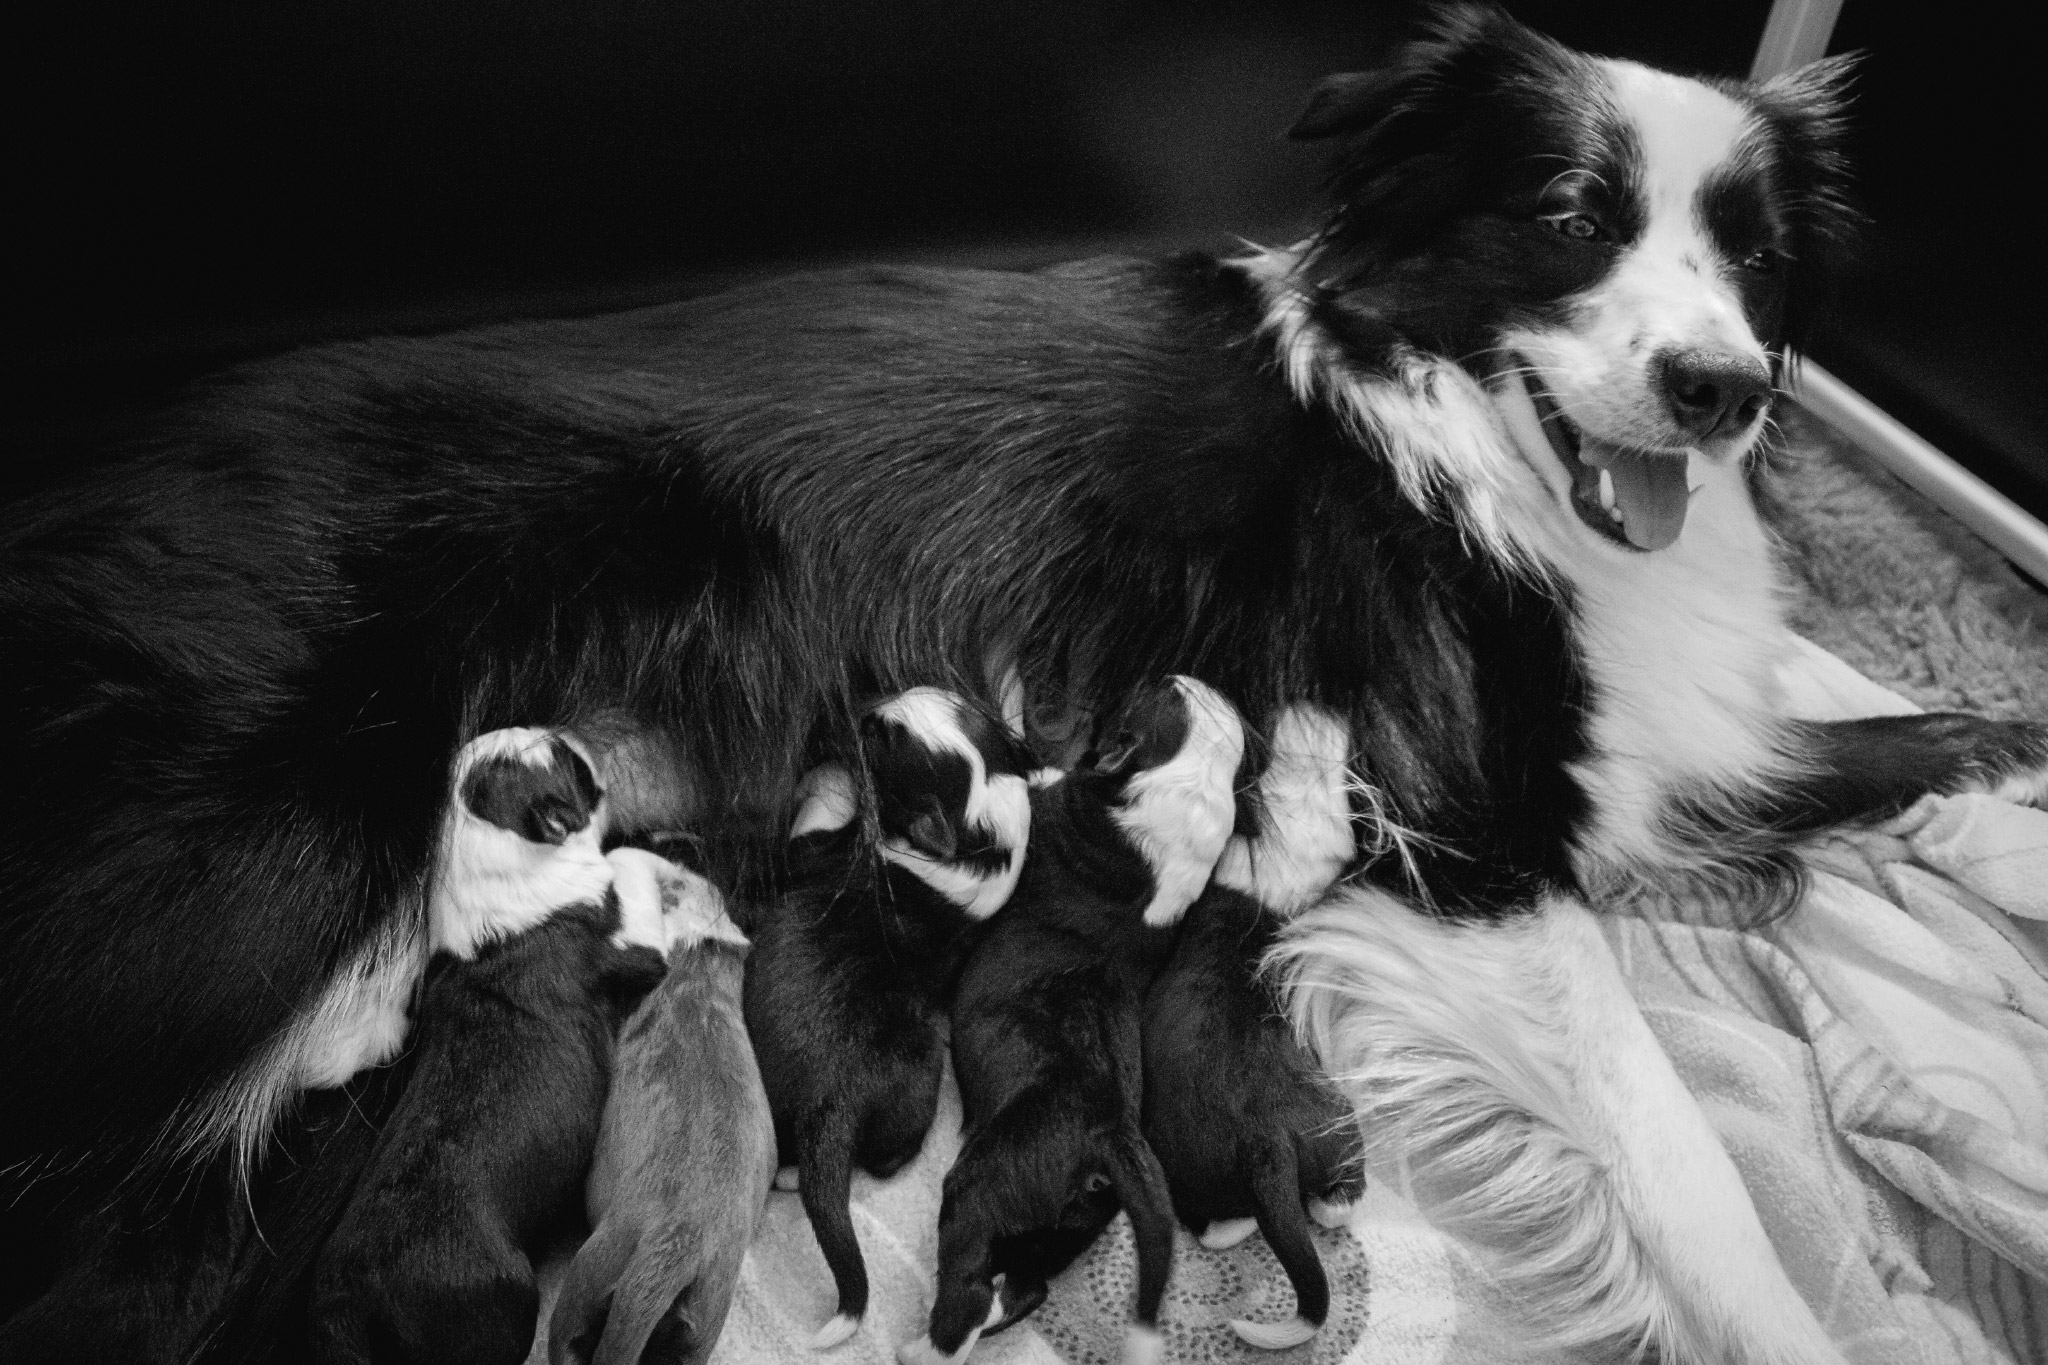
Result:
x=666 y=906
x=1622 y=253
x=950 y=797
x=520 y=841
x=1167 y=766
x=531 y=783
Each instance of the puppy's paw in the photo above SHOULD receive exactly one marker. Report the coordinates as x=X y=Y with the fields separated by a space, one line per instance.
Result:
x=1273 y=1336
x=1226 y=1233
x=832 y=1333
x=1143 y=1345
x=1330 y=1213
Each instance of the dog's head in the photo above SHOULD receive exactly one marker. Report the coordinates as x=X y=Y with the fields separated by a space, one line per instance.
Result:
x=950 y=798
x=520 y=841
x=1622 y=253
x=1167 y=767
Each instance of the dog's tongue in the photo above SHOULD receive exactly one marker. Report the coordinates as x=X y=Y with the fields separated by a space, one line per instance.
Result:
x=1649 y=491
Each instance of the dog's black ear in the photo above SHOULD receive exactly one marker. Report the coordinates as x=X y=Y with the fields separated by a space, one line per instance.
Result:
x=930 y=832
x=1347 y=102
x=1806 y=113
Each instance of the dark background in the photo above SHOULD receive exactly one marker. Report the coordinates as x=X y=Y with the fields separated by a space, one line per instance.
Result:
x=200 y=183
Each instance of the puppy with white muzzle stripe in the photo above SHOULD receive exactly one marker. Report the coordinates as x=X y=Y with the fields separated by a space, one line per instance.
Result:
x=854 y=962
x=483 y=1160
x=1247 y=1128
x=1046 y=1039
x=685 y=1152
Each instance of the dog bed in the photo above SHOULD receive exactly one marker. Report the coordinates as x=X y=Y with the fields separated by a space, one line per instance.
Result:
x=1877 y=1062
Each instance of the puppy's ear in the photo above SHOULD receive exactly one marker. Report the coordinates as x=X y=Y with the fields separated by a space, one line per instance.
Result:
x=930 y=832
x=1347 y=102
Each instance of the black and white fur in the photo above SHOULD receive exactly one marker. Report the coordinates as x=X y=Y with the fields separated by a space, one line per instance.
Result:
x=483 y=1160
x=1046 y=1039
x=1246 y=1126
x=245 y=638
x=854 y=962
x=685 y=1152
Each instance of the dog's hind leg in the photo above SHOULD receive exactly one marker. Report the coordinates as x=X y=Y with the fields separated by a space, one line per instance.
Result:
x=1276 y=1194
x=1509 y=1068
x=585 y=1303
x=824 y=1183
x=1141 y=1184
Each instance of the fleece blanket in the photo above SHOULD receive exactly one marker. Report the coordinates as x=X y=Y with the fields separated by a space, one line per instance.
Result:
x=1876 y=1063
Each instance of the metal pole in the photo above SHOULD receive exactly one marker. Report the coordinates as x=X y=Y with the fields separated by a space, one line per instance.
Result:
x=1797 y=33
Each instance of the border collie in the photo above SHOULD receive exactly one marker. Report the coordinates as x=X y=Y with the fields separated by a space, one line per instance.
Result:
x=854 y=961
x=685 y=1151
x=538 y=959
x=1372 y=471
x=1046 y=1024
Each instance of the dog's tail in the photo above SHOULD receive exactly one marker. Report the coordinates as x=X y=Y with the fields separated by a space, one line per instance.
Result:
x=825 y=1184
x=1276 y=1196
x=1140 y=1184
x=583 y=1311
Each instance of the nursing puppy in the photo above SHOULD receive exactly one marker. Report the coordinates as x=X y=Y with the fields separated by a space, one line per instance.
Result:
x=485 y=1157
x=685 y=1152
x=1245 y=1124
x=854 y=964
x=1046 y=1041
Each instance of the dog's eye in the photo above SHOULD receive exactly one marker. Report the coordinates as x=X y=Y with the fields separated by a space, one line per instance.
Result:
x=1762 y=262
x=1582 y=227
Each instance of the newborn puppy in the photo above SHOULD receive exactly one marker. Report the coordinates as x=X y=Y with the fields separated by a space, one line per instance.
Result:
x=1243 y=1120
x=853 y=965
x=1046 y=1023
x=685 y=1152
x=484 y=1158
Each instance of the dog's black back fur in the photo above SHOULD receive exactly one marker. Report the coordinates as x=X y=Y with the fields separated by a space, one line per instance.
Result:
x=484 y=1160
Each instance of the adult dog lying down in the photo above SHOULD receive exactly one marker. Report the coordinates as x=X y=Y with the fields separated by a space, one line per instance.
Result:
x=1472 y=468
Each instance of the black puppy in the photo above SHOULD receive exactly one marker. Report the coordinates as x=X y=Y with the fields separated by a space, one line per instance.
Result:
x=1046 y=1023
x=483 y=1161
x=854 y=965
x=1242 y=1119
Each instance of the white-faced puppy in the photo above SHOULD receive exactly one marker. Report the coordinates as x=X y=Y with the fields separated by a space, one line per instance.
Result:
x=686 y=1150
x=484 y=1159
x=1046 y=1041
x=1245 y=1124
x=854 y=964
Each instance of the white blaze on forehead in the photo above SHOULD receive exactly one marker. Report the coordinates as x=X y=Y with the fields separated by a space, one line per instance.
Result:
x=1687 y=131
x=1179 y=815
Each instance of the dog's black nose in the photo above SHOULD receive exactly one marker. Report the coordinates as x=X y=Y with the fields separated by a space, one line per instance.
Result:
x=1713 y=393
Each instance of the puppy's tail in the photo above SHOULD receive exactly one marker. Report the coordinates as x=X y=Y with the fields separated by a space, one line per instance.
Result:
x=1276 y=1196
x=1140 y=1184
x=824 y=1182
x=583 y=1311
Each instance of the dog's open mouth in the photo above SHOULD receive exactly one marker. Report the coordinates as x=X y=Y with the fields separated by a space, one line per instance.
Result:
x=1630 y=495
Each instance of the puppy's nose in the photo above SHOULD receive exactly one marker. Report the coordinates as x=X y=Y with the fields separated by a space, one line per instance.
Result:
x=1713 y=393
